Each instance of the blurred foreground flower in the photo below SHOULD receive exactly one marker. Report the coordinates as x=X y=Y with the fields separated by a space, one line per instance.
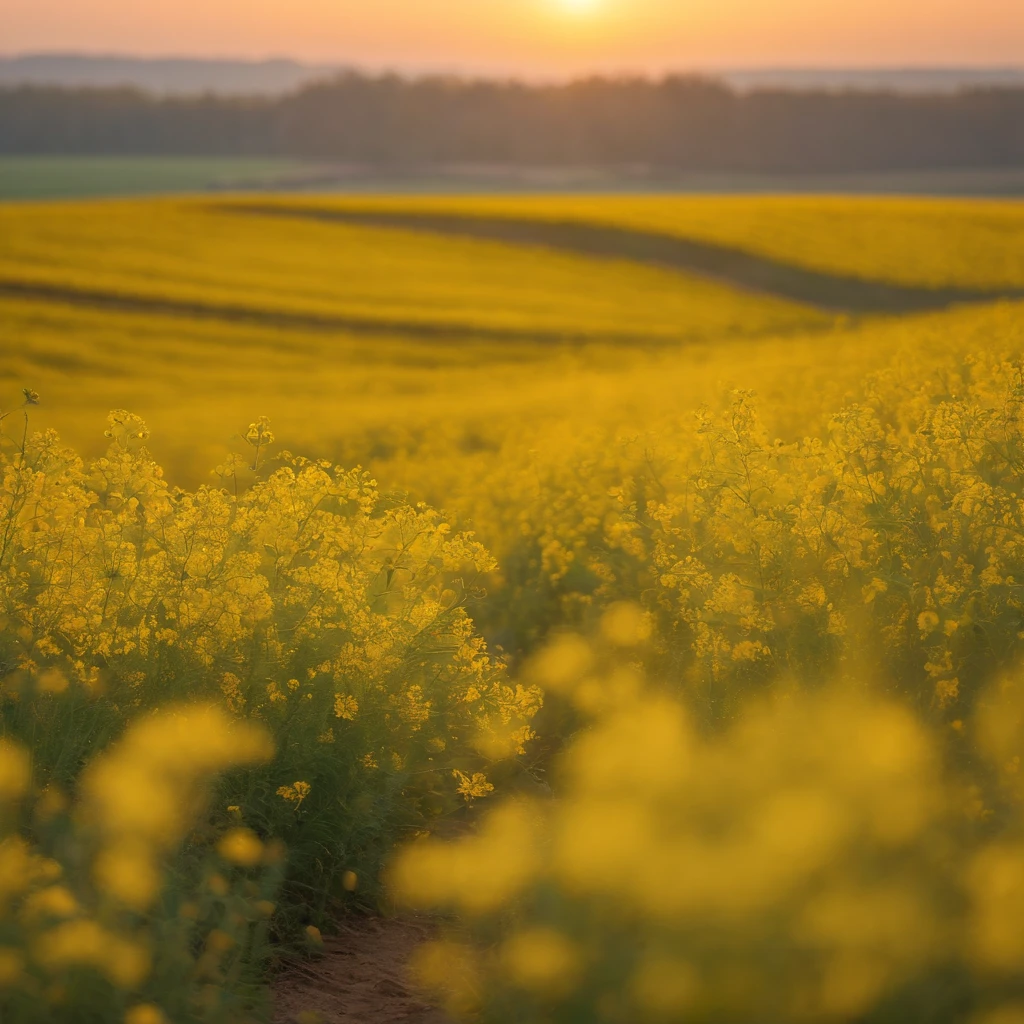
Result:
x=807 y=863
x=137 y=802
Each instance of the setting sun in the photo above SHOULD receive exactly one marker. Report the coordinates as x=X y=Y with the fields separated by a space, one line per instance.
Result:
x=578 y=6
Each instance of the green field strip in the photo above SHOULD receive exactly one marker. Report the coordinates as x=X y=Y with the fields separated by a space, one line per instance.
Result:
x=28 y=178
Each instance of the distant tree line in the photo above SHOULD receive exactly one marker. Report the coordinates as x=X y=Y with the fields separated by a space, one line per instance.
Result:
x=677 y=123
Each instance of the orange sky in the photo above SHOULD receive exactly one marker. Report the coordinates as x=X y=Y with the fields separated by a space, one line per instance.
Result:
x=534 y=36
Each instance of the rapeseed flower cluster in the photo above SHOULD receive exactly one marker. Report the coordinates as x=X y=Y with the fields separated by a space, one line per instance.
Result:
x=879 y=535
x=313 y=636
x=308 y=602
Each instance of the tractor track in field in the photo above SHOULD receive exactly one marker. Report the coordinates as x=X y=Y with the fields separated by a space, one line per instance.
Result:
x=734 y=267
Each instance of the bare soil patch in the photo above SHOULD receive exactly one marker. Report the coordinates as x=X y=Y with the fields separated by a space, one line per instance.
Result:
x=362 y=978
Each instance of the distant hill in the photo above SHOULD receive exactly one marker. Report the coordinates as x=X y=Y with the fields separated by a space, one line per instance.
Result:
x=167 y=77
x=907 y=81
x=188 y=77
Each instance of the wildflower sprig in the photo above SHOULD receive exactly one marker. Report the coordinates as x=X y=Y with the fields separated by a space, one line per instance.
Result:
x=258 y=436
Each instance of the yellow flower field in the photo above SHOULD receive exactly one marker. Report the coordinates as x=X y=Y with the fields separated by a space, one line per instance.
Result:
x=660 y=632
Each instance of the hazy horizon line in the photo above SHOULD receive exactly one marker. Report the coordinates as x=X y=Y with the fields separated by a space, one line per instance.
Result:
x=495 y=70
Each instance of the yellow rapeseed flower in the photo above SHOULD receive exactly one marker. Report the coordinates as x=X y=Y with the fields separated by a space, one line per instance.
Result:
x=295 y=793
x=145 y=1013
x=15 y=771
x=127 y=871
x=12 y=966
x=345 y=706
x=241 y=846
x=84 y=943
x=472 y=786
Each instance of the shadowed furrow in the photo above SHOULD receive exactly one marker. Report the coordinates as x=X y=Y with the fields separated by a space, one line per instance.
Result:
x=127 y=302
x=735 y=267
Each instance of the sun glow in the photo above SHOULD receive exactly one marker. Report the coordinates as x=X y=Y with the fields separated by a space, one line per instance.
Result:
x=579 y=7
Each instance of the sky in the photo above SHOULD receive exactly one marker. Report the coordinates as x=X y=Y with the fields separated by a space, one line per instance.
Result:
x=533 y=37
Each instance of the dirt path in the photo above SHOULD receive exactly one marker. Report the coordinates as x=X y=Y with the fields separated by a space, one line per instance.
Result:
x=361 y=979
